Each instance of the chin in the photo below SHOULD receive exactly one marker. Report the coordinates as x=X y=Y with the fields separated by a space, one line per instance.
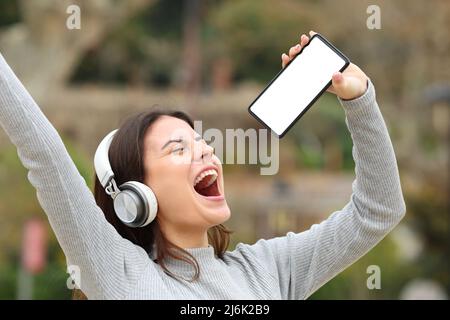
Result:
x=217 y=215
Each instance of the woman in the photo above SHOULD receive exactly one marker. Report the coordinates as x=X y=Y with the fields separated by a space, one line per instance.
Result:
x=119 y=262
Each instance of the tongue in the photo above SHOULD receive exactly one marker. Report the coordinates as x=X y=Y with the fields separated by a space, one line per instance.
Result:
x=205 y=190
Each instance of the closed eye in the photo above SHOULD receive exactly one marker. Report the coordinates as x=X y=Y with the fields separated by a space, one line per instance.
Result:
x=178 y=150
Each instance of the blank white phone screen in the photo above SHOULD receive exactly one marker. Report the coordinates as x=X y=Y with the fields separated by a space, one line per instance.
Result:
x=297 y=86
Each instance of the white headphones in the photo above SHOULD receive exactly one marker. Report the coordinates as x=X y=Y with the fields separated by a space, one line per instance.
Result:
x=134 y=202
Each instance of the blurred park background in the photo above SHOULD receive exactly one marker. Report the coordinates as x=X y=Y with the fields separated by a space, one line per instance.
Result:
x=211 y=59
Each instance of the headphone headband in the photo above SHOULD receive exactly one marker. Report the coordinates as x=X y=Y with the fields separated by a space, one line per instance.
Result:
x=101 y=160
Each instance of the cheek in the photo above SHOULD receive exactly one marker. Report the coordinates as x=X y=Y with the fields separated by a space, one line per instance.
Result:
x=174 y=196
x=170 y=182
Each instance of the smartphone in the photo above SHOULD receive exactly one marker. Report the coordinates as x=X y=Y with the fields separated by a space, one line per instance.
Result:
x=296 y=87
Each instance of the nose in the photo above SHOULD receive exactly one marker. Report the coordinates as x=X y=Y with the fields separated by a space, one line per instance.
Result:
x=203 y=151
x=208 y=152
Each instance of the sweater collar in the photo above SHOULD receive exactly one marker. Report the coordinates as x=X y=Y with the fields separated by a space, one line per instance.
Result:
x=205 y=257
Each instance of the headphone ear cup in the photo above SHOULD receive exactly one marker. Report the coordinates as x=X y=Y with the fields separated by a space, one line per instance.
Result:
x=137 y=207
x=129 y=207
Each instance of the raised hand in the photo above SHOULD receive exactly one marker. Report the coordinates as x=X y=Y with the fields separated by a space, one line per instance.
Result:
x=349 y=84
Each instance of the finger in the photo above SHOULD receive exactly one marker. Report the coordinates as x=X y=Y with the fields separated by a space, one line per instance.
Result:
x=311 y=33
x=294 y=50
x=284 y=60
x=304 y=40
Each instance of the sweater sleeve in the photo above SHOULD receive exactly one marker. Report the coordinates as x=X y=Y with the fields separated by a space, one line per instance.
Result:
x=109 y=264
x=303 y=262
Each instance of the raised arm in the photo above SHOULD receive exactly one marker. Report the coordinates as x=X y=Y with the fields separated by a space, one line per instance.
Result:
x=109 y=264
x=303 y=262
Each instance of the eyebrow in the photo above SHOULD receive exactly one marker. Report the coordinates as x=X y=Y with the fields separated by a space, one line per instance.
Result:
x=178 y=141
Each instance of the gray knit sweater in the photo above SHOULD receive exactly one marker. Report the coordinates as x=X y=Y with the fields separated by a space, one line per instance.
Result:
x=288 y=267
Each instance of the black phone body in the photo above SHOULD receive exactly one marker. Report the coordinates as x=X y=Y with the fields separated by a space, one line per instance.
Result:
x=291 y=93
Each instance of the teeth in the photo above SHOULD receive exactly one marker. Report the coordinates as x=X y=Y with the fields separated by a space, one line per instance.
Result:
x=204 y=174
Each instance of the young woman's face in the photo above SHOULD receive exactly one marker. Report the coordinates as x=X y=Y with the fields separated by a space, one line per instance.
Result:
x=185 y=176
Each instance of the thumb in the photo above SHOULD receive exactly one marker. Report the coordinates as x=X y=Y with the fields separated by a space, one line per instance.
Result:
x=338 y=82
x=346 y=87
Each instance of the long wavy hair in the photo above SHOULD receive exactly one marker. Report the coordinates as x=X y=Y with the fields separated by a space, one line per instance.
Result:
x=126 y=157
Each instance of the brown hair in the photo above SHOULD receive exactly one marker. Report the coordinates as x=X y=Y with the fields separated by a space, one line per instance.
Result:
x=126 y=158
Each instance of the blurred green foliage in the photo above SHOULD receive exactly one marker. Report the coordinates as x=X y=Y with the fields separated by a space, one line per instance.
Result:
x=352 y=282
x=9 y=12
x=253 y=31
x=246 y=30
x=129 y=53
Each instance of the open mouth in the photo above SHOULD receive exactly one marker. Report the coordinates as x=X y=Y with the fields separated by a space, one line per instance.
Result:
x=206 y=183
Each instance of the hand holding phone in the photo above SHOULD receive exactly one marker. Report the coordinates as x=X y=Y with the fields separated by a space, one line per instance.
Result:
x=308 y=73
x=348 y=85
